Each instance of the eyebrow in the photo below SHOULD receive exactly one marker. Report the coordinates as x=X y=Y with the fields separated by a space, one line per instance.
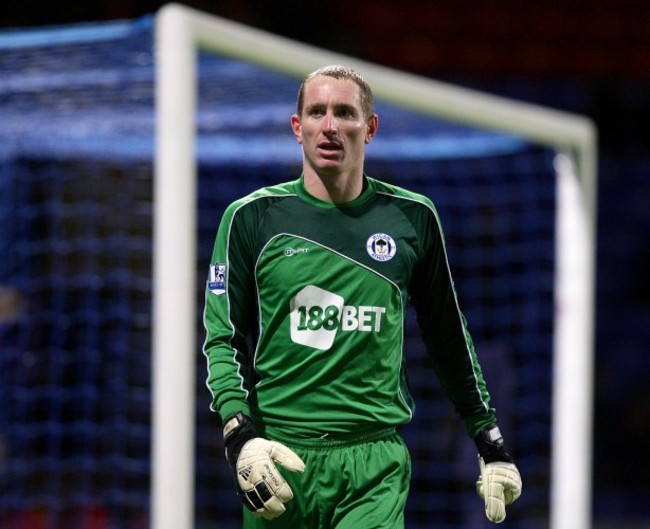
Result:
x=337 y=107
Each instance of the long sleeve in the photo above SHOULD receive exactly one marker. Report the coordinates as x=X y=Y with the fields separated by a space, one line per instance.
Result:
x=444 y=330
x=229 y=309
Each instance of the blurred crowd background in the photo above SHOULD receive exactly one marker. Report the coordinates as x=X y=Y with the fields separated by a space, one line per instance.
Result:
x=591 y=58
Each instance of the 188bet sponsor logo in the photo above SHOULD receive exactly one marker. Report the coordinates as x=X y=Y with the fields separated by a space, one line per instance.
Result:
x=317 y=315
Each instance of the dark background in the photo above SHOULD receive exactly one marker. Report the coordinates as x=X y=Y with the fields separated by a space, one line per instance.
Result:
x=586 y=57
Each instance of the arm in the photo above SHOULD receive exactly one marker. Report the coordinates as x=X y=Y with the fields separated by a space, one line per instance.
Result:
x=229 y=309
x=227 y=316
x=444 y=329
x=451 y=349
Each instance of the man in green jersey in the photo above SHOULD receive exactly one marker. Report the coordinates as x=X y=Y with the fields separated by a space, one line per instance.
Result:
x=316 y=273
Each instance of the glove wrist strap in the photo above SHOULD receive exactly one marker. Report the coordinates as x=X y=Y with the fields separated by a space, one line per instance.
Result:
x=237 y=431
x=489 y=443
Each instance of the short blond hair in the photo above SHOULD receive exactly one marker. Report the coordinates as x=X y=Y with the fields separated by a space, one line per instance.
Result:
x=340 y=72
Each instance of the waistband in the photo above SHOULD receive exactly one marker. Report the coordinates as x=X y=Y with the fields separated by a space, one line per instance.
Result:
x=330 y=441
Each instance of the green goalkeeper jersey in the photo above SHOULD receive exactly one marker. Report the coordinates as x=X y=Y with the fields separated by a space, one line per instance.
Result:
x=305 y=309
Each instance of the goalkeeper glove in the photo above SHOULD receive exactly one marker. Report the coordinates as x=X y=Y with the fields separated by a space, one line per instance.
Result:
x=251 y=459
x=499 y=483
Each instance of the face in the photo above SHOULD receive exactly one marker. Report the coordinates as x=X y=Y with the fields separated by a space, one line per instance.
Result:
x=332 y=129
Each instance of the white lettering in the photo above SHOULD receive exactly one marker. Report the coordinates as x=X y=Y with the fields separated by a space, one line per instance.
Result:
x=316 y=315
x=370 y=318
x=378 y=312
x=349 y=320
x=365 y=318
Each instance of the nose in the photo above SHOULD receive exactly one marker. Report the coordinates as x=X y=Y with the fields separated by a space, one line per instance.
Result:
x=330 y=124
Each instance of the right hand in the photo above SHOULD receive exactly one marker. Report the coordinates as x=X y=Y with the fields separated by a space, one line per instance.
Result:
x=262 y=486
x=498 y=485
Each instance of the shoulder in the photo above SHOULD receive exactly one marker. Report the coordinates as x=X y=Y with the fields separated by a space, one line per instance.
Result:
x=261 y=198
x=416 y=207
x=401 y=195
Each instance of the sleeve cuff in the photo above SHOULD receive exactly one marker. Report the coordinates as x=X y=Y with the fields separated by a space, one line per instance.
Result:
x=476 y=425
x=232 y=407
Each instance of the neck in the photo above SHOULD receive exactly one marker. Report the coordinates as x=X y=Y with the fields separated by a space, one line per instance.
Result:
x=335 y=188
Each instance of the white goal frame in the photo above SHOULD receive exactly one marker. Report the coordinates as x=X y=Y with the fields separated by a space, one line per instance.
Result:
x=179 y=33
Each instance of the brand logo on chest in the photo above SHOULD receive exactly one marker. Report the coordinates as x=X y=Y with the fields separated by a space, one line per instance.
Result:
x=289 y=252
x=318 y=315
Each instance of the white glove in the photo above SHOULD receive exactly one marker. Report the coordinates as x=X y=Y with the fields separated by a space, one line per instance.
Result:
x=263 y=487
x=498 y=485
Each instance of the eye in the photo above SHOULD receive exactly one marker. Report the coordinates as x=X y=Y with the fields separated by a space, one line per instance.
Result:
x=315 y=111
x=346 y=112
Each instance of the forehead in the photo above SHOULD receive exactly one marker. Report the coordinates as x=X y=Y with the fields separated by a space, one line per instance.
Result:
x=323 y=89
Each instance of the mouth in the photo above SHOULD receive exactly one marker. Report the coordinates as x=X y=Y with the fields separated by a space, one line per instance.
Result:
x=329 y=147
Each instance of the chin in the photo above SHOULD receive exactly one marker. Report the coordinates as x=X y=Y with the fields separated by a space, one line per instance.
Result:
x=329 y=168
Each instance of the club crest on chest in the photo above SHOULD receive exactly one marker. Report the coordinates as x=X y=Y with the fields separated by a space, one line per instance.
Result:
x=381 y=247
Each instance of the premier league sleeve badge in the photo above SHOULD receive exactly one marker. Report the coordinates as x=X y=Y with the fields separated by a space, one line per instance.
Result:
x=217 y=279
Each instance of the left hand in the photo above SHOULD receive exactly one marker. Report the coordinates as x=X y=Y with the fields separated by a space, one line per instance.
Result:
x=262 y=487
x=498 y=485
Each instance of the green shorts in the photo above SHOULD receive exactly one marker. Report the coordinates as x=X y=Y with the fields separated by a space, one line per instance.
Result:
x=349 y=483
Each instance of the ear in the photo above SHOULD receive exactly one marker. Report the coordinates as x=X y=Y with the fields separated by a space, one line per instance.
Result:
x=296 y=127
x=371 y=127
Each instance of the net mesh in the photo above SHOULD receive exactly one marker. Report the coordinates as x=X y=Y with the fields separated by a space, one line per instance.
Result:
x=75 y=278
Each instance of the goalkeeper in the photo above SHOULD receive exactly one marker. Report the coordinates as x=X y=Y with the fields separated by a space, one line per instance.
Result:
x=305 y=305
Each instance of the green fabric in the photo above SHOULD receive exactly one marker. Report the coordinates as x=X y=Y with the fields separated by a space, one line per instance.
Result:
x=323 y=290
x=346 y=485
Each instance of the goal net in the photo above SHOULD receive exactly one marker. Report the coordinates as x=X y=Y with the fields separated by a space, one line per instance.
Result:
x=107 y=226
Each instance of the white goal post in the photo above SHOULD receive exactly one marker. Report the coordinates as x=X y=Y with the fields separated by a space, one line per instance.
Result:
x=180 y=32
